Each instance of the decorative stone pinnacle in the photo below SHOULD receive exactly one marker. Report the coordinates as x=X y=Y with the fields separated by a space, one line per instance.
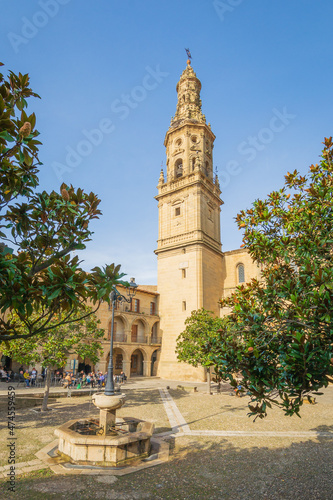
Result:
x=161 y=179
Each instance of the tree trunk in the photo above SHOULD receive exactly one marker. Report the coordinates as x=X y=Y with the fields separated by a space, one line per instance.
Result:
x=47 y=388
x=209 y=380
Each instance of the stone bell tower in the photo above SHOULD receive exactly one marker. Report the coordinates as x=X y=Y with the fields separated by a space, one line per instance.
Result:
x=189 y=243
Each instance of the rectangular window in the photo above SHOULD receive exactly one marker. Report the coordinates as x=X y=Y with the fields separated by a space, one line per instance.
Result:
x=136 y=305
x=183 y=273
x=177 y=211
x=184 y=305
x=152 y=308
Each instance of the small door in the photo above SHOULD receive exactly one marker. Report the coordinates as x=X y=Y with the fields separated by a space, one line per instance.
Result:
x=134 y=363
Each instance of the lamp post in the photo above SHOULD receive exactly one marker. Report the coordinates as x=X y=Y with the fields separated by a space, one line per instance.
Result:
x=114 y=296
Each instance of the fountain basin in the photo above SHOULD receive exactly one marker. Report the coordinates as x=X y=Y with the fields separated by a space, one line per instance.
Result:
x=127 y=445
x=109 y=403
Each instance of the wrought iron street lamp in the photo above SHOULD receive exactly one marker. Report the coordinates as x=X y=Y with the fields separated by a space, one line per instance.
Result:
x=114 y=296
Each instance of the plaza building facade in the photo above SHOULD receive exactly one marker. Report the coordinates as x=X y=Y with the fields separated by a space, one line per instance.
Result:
x=136 y=334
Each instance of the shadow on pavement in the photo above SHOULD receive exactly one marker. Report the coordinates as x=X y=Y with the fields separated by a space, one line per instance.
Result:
x=208 y=469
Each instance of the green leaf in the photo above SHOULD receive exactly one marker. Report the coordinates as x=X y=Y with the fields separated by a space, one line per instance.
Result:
x=5 y=135
x=54 y=295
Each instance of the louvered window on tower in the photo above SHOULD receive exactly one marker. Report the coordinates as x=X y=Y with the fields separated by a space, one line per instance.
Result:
x=241 y=273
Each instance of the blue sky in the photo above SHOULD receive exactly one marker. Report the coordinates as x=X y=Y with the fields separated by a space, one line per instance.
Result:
x=107 y=73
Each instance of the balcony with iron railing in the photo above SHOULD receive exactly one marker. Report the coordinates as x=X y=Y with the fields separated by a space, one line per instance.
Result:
x=122 y=338
x=155 y=340
x=126 y=308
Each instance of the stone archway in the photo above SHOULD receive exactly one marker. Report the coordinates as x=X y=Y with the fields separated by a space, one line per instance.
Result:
x=154 y=360
x=119 y=329
x=154 y=338
x=84 y=365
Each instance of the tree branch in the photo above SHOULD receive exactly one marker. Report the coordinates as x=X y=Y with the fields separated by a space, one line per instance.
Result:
x=52 y=259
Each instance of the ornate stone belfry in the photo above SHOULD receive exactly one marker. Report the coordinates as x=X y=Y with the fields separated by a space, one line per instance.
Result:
x=189 y=141
x=189 y=242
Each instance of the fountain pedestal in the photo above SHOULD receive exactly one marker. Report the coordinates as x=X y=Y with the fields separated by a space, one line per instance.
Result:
x=107 y=409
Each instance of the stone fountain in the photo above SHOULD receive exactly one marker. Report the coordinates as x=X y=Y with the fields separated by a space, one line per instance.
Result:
x=109 y=441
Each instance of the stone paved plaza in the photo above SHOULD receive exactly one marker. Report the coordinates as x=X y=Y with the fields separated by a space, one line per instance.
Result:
x=216 y=450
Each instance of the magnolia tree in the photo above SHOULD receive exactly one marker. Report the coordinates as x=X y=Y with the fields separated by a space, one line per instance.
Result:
x=194 y=343
x=82 y=337
x=279 y=335
x=40 y=279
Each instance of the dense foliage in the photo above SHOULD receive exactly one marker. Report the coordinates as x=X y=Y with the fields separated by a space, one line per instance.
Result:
x=40 y=278
x=279 y=335
x=194 y=343
x=81 y=337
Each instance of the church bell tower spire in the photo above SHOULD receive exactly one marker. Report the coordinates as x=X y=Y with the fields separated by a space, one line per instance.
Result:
x=189 y=242
x=188 y=135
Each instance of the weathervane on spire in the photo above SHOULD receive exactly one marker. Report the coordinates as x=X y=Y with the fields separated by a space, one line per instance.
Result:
x=189 y=56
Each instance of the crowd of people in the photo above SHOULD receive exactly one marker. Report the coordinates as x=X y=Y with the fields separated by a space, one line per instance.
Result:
x=29 y=378
x=83 y=379
x=66 y=379
x=91 y=379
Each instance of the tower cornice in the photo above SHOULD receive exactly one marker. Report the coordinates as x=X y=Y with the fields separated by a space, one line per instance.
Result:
x=189 y=181
x=190 y=125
